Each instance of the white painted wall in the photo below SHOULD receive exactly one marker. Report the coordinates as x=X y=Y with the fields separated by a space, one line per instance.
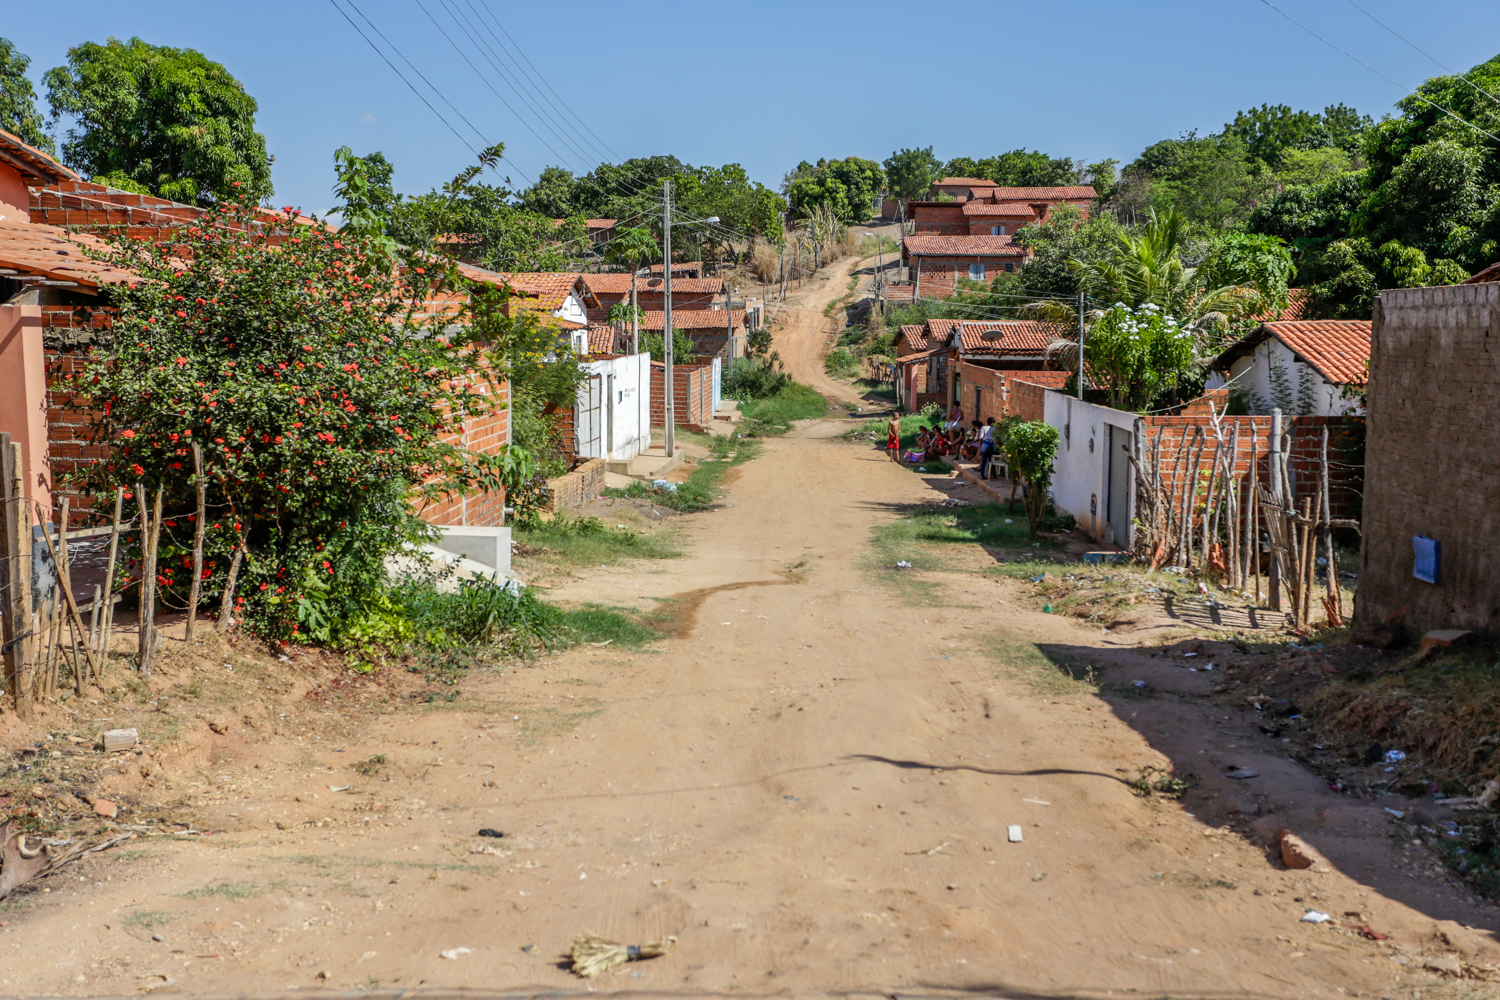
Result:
x=1079 y=473
x=625 y=413
x=572 y=309
x=1252 y=376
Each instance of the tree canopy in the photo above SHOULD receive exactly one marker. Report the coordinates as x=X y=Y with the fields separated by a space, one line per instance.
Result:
x=1017 y=168
x=909 y=173
x=163 y=121
x=848 y=187
x=18 y=113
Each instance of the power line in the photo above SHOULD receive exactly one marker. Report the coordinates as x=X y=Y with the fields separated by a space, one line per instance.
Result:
x=1462 y=76
x=1377 y=72
x=424 y=79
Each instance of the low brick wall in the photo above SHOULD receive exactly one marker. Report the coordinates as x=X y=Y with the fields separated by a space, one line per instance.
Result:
x=577 y=488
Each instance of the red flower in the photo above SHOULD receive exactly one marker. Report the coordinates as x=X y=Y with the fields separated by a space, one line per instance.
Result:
x=183 y=361
x=137 y=469
x=420 y=271
x=127 y=434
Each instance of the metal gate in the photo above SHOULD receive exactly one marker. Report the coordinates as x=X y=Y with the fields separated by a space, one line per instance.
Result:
x=589 y=418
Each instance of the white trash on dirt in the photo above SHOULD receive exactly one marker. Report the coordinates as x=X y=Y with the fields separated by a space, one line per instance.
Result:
x=452 y=953
x=1013 y=833
x=1314 y=917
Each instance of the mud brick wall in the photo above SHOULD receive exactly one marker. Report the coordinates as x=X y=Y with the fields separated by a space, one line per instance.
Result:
x=1434 y=411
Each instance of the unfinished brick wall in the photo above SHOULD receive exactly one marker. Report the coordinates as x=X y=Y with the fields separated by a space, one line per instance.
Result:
x=938 y=277
x=578 y=488
x=692 y=398
x=995 y=387
x=1434 y=410
x=1304 y=458
x=1027 y=400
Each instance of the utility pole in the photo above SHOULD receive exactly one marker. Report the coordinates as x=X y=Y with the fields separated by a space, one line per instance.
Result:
x=728 y=323
x=669 y=408
x=1080 y=342
x=635 y=313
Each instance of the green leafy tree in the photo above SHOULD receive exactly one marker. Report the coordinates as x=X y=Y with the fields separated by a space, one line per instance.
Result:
x=1030 y=449
x=323 y=403
x=1017 y=168
x=555 y=194
x=848 y=187
x=366 y=196
x=634 y=246
x=909 y=173
x=479 y=223
x=1137 y=355
x=166 y=121
x=1312 y=166
x=1352 y=273
x=18 y=113
x=1211 y=180
x=683 y=348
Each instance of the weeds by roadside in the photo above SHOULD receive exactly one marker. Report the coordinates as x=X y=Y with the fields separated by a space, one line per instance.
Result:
x=700 y=490
x=774 y=415
x=588 y=541
x=1155 y=780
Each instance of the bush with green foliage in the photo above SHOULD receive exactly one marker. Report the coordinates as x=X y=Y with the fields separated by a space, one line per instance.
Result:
x=756 y=378
x=841 y=363
x=848 y=188
x=1030 y=448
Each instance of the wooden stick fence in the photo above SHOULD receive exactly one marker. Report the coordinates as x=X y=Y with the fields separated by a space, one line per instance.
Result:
x=1228 y=524
x=47 y=636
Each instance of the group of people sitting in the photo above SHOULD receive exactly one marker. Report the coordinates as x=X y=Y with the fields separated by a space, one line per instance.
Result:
x=948 y=438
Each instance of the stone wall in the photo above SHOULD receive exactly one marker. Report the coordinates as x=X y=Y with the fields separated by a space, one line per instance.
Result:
x=1434 y=410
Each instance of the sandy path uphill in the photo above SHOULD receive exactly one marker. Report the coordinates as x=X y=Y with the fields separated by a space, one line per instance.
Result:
x=809 y=784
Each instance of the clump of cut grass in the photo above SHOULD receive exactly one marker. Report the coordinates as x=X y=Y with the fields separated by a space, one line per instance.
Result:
x=775 y=415
x=700 y=490
x=588 y=541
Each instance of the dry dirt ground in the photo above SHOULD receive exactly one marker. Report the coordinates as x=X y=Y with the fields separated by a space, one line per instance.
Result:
x=810 y=782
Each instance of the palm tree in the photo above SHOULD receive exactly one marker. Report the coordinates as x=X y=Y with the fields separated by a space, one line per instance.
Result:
x=632 y=245
x=1143 y=266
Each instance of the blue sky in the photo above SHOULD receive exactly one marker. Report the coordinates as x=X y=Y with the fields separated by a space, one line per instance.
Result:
x=769 y=84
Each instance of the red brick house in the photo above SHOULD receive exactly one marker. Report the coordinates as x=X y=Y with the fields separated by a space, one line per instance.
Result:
x=937 y=264
x=715 y=332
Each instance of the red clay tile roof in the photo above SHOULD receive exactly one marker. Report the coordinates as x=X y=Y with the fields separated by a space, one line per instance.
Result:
x=687 y=265
x=923 y=355
x=1072 y=193
x=1015 y=209
x=1491 y=273
x=962 y=246
x=619 y=284
x=1296 y=302
x=964 y=182
x=592 y=223
x=1338 y=348
x=914 y=335
x=603 y=340
x=550 y=288
x=35 y=166
x=690 y=319
x=55 y=255
x=1008 y=337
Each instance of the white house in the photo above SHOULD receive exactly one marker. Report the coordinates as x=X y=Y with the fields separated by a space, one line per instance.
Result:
x=1301 y=366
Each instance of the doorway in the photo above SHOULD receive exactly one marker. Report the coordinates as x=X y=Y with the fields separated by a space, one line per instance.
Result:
x=1117 y=492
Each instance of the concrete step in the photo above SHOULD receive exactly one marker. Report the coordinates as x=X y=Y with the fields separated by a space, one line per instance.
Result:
x=650 y=464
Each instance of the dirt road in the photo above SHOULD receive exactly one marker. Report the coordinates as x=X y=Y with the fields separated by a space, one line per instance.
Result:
x=811 y=783
x=802 y=333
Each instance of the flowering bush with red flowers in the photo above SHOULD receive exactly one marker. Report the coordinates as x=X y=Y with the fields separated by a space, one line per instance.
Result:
x=325 y=381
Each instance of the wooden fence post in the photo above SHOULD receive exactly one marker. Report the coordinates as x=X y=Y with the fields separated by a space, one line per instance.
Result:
x=19 y=645
x=107 y=631
x=196 y=589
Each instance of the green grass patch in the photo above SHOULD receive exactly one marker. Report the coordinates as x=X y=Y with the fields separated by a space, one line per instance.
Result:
x=842 y=300
x=149 y=919
x=841 y=363
x=229 y=890
x=775 y=414
x=596 y=624
x=588 y=541
x=700 y=490
x=1034 y=666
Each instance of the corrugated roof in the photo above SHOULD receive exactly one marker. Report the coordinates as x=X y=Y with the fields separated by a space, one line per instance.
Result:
x=1338 y=348
x=690 y=319
x=972 y=246
x=55 y=255
x=35 y=166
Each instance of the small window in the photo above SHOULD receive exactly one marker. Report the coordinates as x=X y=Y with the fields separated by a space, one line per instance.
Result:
x=997 y=230
x=976 y=272
x=1010 y=267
